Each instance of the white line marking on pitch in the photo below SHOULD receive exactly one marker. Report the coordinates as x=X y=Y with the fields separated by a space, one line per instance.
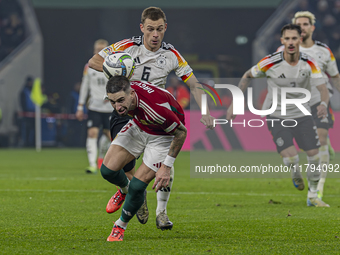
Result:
x=173 y=192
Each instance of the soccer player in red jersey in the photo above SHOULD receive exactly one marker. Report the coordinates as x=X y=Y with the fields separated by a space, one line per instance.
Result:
x=157 y=130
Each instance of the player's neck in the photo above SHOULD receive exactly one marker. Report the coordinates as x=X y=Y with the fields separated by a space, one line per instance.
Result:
x=133 y=103
x=149 y=48
x=292 y=59
x=307 y=43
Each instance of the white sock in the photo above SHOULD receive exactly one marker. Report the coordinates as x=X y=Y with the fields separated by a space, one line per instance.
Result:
x=121 y=224
x=91 y=147
x=104 y=144
x=126 y=188
x=313 y=176
x=163 y=195
x=293 y=164
x=324 y=162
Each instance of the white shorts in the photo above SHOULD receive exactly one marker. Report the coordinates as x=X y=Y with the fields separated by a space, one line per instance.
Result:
x=136 y=141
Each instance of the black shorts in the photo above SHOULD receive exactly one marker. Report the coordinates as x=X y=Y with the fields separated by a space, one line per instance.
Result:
x=304 y=133
x=98 y=119
x=323 y=123
x=116 y=124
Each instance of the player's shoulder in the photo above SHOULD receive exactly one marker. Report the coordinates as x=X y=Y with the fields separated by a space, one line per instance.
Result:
x=148 y=88
x=270 y=60
x=86 y=69
x=169 y=47
x=280 y=48
x=310 y=61
x=307 y=58
x=127 y=43
x=325 y=48
x=321 y=44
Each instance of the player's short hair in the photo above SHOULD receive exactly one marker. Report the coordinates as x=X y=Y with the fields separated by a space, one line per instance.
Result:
x=304 y=14
x=117 y=84
x=101 y=41
x=291 y=27
x=153 y=13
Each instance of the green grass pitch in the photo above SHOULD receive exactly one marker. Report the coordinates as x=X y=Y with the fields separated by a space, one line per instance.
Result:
x=48 y=205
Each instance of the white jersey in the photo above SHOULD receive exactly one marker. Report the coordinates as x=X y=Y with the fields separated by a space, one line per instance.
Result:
x=151 y=66
x=94 y=85
x=305 y=74
x=326 y=61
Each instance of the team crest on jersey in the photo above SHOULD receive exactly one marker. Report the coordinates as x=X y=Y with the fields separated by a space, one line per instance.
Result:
x=279 y=141
x=303 y=73
x=161 y=61
x=319 y=55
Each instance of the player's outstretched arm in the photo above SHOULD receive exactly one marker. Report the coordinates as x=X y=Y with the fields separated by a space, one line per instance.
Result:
x=336 y=81
x=243 y=85
x=96 y=63
x=194 y=84
x=163 y=173
x=322 y=107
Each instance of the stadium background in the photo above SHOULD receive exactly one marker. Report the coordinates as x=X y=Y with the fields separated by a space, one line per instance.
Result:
x=49 y=206
x=218 y=39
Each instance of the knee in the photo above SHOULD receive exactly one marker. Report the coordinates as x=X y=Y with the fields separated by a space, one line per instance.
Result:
x=137 y=188
x=107 y=173
x=291 y=161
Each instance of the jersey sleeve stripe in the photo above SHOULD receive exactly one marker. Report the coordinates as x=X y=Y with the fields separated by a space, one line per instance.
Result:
x=147 y=112
x=331 y=53
x=269 y=61
x=187 y=76
x=325 y=46
x=86 y=68
x=155 y=116
x=313 y=66
x=152 y=110
x=181 y=61
x=170 y=128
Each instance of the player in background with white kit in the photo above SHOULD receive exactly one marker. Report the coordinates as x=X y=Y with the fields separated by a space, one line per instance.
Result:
x=327 y=63
x=291 y=68
x=93 y=85
x=154 y=60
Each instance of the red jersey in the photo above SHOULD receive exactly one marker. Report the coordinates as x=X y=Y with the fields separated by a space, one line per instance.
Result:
x=157 y=112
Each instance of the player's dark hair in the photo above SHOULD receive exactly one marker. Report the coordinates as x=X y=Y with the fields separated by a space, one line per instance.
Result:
x=291 y=27
x=153 y=13
x=118 y=83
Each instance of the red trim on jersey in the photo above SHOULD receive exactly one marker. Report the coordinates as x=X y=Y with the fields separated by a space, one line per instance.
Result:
x=181 y=61
x=312 y=65
x=186 y=76
x=86 y=68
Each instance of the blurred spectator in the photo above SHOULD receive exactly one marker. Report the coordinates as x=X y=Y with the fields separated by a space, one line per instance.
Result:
x=179 y=90
x=12 y=30
x=76 y=130
x=28 y=109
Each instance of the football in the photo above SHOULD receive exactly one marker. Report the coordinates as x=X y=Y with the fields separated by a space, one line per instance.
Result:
x=119 y=63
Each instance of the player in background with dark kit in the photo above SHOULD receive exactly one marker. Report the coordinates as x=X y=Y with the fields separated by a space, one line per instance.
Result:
x=154 y=60
x=157 y=130
x=293 y=69
x=93 y=86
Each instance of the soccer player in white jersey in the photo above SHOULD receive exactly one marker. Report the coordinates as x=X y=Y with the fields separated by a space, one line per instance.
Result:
x=154 y=60
x=292 y=68
x=93 y=86
x=327 y=63
x=157 y=130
